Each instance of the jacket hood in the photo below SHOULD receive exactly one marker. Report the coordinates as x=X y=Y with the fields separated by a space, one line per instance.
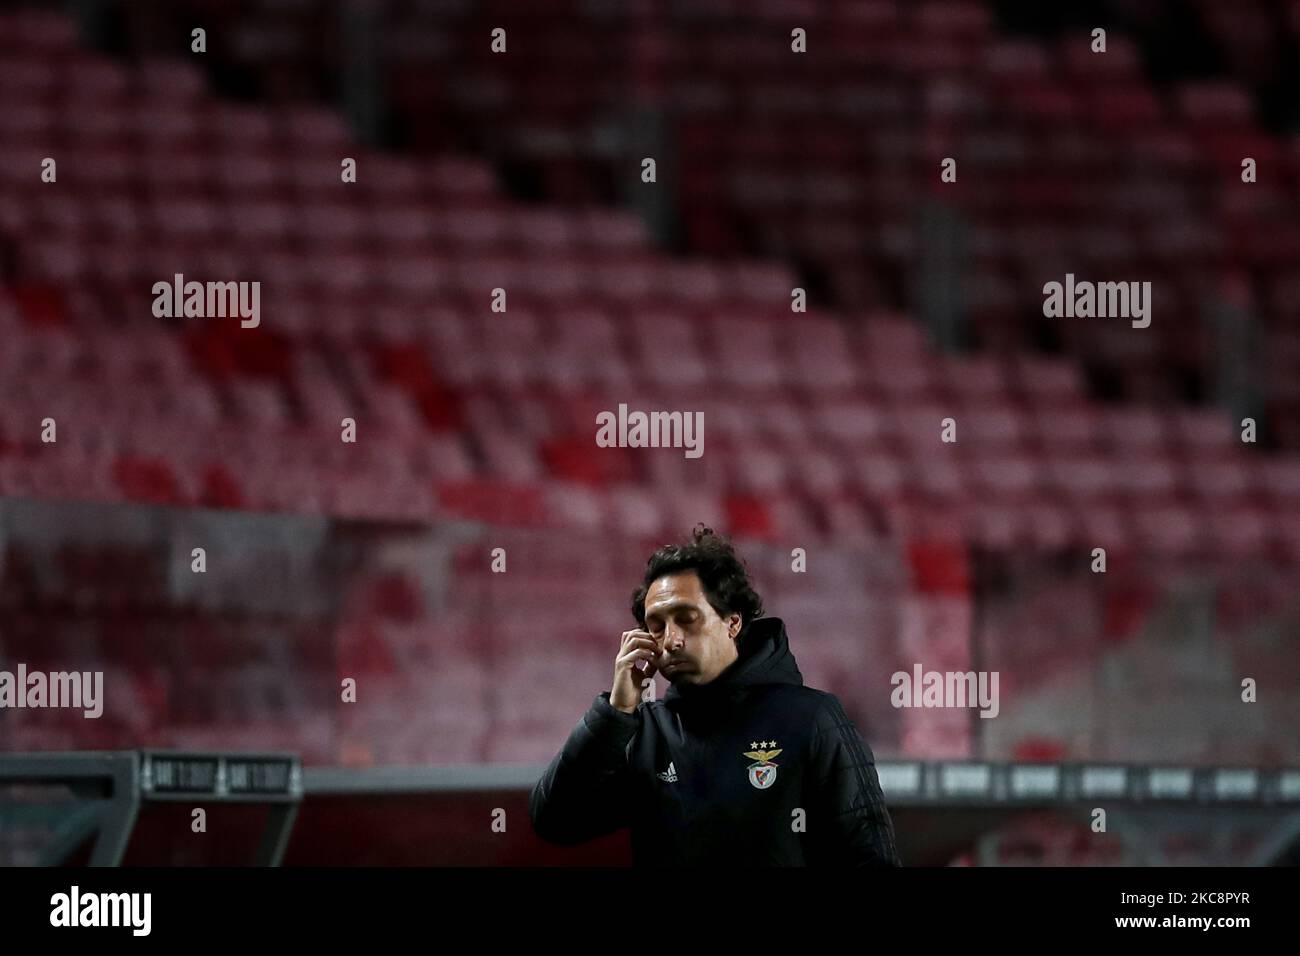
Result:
x=765 y=658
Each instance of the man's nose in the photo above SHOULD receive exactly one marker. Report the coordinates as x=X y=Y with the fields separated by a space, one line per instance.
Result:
x=673 y=638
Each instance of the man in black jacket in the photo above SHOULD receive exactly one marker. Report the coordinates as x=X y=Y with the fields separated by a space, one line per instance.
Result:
x=740 y=764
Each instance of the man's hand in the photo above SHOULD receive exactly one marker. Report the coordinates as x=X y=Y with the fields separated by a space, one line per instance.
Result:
x=637 y=646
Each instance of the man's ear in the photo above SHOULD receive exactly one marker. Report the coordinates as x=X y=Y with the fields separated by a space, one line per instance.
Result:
x=733 y=625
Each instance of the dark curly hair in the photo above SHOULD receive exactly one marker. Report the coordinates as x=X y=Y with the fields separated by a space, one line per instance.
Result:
x=722 y=575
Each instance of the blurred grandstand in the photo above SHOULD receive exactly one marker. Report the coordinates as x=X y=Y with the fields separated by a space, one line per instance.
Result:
x=521 y=171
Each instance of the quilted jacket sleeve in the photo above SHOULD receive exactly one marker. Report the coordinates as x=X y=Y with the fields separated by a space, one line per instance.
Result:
x=848 y=823
x=587 y=790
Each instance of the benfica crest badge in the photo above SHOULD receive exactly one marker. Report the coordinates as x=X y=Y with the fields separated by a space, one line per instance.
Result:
x=762 y=773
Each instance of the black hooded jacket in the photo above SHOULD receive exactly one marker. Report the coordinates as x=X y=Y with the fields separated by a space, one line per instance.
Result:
x=752 y=768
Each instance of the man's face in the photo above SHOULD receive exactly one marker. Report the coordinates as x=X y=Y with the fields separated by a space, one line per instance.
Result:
x=695 y=643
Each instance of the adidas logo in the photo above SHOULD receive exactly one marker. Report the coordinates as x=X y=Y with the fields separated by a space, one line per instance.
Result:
x=669 y=775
